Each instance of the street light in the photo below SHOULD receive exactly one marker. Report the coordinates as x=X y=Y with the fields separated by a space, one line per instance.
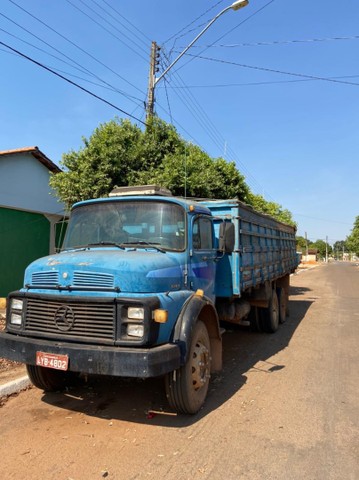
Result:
x=234 y=6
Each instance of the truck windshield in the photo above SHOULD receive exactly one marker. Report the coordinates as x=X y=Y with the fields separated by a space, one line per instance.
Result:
x=125 y=224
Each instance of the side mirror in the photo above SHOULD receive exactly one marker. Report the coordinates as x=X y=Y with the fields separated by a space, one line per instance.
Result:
x=226 y=237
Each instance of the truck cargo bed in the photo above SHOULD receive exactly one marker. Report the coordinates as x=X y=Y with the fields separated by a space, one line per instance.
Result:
x=265 y=249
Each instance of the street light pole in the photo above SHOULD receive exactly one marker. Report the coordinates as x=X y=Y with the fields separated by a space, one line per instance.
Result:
x=151 y=97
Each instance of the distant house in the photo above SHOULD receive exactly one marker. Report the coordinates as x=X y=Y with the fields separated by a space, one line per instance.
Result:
x=312 y=256
x=30 y=214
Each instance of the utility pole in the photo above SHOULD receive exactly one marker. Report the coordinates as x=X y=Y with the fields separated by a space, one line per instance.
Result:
x=154 y=60
x=152 y=80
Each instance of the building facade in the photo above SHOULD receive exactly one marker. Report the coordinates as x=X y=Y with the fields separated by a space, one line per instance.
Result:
x=30 y=214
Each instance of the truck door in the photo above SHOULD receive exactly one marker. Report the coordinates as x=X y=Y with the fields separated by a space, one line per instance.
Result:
x=202 y=271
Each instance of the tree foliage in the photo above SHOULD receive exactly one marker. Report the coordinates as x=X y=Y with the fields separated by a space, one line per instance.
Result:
x=119 y=153
x=192 y=172
x=352 y=240
x=301 y=244
x=322 y=248
x=273 y=209
x=106 y=159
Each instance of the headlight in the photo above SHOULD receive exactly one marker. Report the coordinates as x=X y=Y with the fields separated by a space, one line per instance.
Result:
x=135 y=330
x=136 y=313
x=17 y=304
x=15 y=318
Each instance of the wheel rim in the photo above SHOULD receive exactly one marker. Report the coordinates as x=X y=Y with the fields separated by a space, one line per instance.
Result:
x=200 y=366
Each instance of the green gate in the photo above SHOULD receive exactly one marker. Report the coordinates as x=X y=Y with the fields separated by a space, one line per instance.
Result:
x=24 y=237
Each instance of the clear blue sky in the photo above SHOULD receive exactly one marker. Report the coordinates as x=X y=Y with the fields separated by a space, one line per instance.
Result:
x=278 y=92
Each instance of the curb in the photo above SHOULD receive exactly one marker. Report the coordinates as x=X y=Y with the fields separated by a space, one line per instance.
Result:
x=15 y=386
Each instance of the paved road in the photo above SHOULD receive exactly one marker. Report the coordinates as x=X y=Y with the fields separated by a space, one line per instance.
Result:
x=285 y=407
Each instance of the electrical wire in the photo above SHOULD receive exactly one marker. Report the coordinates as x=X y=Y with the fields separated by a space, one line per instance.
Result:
x=234 y=28
x=104 y=28
x=104 y=83
x=145 y=42
x=114 y=27
x=191 y=23
x=302 y=75
x=273 y=82
x=168 y=101
x=71 y=82
x=69 y=41
x=277 y=42
x=211 y=130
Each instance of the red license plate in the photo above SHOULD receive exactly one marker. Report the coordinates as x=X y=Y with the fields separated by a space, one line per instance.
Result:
x=52 y=360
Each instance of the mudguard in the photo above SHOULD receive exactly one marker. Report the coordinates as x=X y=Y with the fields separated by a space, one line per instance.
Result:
x=198 y=307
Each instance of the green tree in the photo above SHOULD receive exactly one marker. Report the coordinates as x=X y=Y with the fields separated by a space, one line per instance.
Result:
x=301 y=244
x=192 y=172
x=322 y=247
x=119 y=153
x=339 y=247
x=107 y=159
x=352 y=240
x=273 y=209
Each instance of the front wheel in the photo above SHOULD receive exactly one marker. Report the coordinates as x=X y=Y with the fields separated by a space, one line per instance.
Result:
x=186 y=388
x=48 y=379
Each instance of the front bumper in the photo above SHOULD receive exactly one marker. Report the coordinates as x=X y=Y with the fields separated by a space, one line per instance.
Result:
x=92 y=359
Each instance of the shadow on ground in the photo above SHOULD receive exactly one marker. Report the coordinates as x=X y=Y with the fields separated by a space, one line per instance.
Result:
x=144 y=401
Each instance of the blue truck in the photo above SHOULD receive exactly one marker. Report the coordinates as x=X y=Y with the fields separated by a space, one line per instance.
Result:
x=140 y=288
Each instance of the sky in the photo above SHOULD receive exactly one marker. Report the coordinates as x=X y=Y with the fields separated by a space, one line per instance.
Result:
x=273 y=87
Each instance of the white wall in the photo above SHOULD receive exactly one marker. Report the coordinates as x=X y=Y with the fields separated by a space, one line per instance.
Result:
x=24 y=185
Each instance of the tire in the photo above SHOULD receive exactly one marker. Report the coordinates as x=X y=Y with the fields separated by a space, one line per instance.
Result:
x=270 y=315
x=50 y=380
x=283 y=304
x=187 y=387
x=255 y=320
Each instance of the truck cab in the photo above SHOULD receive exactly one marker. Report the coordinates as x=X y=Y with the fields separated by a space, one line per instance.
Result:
x=125 y=295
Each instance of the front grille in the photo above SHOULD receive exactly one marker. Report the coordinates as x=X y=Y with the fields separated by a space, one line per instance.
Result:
x=95 y=279
x=50 y=278
x=73 y=320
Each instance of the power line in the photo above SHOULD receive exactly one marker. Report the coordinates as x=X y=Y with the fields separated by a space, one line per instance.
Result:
x=273 y=82
x=106 y=29
x=69 y=41
x=168 y=101
x=312 y=77
x=211 y=130
x=234 y=28
x=191 y=23
x=277 y=42
x=122 y=24
x=109 y=86
x=71 y=82
x=122 y=16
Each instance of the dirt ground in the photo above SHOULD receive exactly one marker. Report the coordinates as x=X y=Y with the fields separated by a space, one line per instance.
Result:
x=284 y=407
x=9 y=370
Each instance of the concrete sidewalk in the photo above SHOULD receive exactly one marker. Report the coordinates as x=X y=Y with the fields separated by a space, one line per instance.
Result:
x=22 y=382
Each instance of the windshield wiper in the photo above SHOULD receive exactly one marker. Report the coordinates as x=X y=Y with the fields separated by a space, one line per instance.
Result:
x=106 y=244
x=143 y=243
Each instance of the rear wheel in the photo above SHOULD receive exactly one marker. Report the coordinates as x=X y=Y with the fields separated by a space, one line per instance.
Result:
x=186 y=388
x=270 y=315
x=255 y=320
x=283 y=304
x=50 y=380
